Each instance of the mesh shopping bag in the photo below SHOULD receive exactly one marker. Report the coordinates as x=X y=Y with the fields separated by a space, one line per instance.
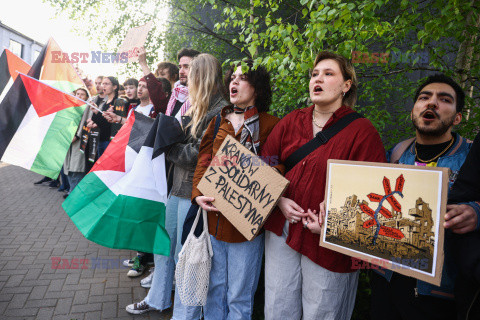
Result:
x=192 y=272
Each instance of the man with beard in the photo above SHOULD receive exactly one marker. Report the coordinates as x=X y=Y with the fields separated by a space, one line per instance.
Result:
x=438 y=105
x=178 y=100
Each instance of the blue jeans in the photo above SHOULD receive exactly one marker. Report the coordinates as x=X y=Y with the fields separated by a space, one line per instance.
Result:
x=64 y=183
x=160 y=294
x=74 y=178
x=102 y=145
x=233 y=279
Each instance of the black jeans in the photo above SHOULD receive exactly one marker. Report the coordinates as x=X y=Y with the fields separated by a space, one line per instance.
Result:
x=396 y=300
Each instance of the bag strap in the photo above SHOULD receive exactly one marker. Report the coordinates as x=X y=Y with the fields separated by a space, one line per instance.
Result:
x=218 y=118
x=399 y=149
x=320 y=139
x=205 y=228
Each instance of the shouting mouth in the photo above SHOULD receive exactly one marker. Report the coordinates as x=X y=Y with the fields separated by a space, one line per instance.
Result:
x=429 y=115
x=317 y=89
x=233 y=92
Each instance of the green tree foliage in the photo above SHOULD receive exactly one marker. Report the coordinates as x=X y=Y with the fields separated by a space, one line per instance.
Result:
x=394 y=44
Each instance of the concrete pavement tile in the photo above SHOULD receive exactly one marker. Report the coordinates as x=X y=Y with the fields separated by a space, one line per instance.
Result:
x=93 y=315
x=6 y=297
x=18 y=300
x=97 y=289
x=16 y=289
x=22 y=312
x=33 y=273
x=56 y=285
x=45 y=314
x=81 y=297
x=102 y=298
x=63 y=306
x=41 y=303
x=3 y=306
x=109 y=310
x=86 y=307
x=59 y=294
x=14 y=280
x=38 y=292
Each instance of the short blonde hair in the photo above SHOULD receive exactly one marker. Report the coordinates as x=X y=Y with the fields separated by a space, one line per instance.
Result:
x=348 y=72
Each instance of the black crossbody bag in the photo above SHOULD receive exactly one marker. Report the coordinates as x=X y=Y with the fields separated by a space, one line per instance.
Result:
x=320 y=139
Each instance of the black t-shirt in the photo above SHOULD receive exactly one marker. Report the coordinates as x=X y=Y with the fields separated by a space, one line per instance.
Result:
x=104 y=126
x=430 y=151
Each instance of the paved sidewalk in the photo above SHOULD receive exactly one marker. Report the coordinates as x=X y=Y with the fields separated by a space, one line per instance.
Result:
x=33 y=230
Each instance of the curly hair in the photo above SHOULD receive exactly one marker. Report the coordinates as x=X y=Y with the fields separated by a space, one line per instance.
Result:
x=259 y=79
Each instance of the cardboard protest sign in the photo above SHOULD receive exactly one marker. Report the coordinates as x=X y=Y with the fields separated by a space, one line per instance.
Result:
x=245 y=188
x=388 y=215
x=134 y=39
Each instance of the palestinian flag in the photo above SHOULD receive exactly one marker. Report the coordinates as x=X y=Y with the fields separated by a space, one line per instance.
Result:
x=121 y=203
x=10 y=66
x=33 y=139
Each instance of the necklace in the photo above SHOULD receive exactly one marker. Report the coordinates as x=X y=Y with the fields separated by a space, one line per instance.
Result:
x=323 y=112
x=437 y=156
x=315 y=122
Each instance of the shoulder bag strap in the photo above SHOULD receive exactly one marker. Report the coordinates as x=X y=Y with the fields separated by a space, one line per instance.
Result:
x=320 y=139
x=218 y=118
x=399 y=149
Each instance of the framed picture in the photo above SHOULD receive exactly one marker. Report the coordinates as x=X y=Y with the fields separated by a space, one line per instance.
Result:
x=387 y=215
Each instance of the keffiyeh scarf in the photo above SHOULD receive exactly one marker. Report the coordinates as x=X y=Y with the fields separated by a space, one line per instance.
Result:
x=250 y=136
x=179 y=93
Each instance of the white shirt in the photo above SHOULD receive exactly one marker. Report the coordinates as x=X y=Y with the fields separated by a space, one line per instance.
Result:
x=145 y=110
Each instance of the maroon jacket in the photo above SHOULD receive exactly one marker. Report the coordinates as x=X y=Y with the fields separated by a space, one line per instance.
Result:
x=358 y=141
x=157 y=94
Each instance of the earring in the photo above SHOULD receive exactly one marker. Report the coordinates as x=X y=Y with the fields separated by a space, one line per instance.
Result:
x=344 y=94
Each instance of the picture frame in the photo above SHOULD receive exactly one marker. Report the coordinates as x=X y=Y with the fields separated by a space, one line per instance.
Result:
x=387 y=215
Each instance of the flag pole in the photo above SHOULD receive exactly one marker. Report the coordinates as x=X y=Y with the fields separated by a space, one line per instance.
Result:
x=91 y=106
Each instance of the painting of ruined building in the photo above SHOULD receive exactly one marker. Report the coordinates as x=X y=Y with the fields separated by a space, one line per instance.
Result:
x=386 y=214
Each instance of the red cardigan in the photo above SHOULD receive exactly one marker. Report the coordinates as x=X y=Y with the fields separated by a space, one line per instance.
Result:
x=358 y=141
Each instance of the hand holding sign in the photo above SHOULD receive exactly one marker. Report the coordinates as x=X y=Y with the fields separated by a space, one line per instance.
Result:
x=206 y=203
x=135 y=39
x=244 y=187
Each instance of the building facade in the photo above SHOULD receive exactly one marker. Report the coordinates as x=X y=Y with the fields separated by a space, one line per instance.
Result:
x=21 y=45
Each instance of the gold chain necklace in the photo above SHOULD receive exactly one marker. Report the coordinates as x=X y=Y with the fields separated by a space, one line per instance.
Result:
x=437 y=156
x=315 y=121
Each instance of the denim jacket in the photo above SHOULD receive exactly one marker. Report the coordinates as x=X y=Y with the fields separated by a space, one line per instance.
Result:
x=452 y=160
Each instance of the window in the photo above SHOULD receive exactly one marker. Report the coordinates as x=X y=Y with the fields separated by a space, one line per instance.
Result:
x=36 y=53
x=16 y=48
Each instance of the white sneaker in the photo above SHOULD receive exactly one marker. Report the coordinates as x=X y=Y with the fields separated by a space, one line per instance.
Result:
x=139 y=308
x=147 y=281
x=137 y=269
x=128 y=263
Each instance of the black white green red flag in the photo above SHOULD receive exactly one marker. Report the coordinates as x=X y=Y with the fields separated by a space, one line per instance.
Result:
x=39 y=141
x=10 y=66
x=121 y=202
